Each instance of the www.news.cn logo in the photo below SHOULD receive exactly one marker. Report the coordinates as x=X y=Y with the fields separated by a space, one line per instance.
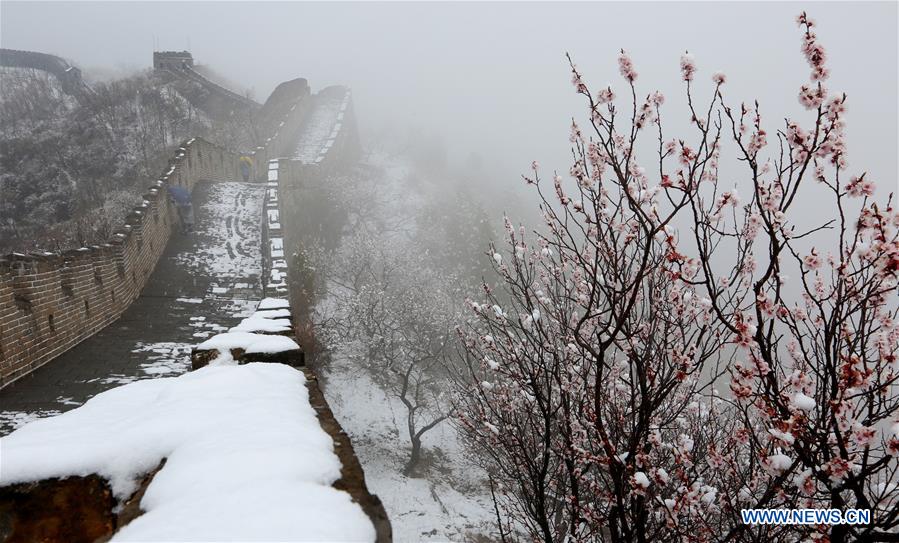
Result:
x=806 y=516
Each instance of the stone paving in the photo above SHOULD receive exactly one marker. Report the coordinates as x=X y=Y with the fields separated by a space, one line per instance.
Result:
x=205 y=282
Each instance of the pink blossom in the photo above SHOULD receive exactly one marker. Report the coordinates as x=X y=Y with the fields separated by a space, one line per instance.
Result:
x=719 y=78
x=813 y=51
x=575 y=133
x=557 y=183
x=646 y=114
x=687 y=66
x=860 y=186
x=661 y=476
x=805 y=482
x=756 y=142
x=863 y=435
x=626 y=67
x=836 y=107
x=745 y=331
x=812 y=260
x=836 y=469
x=605 y=95
x=577 y=82
x=811 y=97
x=687 y=156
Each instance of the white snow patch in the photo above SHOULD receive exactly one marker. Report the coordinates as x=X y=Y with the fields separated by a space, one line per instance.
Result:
x=319 y=125
x=246 y=458
x=802 y=402
x=165 y=358
x=17 y=419
x=249 y=342
x=273 y=303
x=779 y=463
x=272 y=314
x=783 y=436
x=641 y=479
x=262 y=324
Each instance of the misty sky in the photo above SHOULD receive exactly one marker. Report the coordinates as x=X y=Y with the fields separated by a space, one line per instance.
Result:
x=492 y=78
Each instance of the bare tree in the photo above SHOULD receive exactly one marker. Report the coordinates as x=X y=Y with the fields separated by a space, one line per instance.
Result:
x=394 y=317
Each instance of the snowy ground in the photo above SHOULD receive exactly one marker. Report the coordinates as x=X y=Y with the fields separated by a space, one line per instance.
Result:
x=17 y=419
x=231 y=230
x=246 y=458
x=451 y=502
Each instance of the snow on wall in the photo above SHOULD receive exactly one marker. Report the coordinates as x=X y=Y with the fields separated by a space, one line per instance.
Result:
x=325 y=128
x=250 y=342
x=275 y=265
x=246 y=457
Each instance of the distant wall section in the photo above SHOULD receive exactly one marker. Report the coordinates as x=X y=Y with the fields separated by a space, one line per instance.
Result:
x=69 y=76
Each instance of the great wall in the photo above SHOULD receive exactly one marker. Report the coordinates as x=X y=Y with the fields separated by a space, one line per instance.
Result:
x=181 y=65
x=69 y=76
x=81 y=321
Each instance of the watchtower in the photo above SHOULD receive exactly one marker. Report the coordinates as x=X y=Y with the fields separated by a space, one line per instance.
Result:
x=172 y=60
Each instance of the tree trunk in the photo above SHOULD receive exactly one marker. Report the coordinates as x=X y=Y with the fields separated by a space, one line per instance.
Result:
x=409 y=470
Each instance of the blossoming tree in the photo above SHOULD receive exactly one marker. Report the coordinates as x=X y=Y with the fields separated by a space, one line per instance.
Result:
x=593 y=368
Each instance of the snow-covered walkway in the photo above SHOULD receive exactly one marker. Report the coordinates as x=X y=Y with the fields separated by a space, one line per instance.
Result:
x=318 y=128
x=204 y=283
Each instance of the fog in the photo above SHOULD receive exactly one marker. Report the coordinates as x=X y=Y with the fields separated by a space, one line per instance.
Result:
x=491 y=80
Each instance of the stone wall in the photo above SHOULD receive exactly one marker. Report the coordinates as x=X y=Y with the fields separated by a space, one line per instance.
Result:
x=50 y=302
x=217 y=101
x=69 y=76
x=300 y=198
x=284 y=136
x=238 y=100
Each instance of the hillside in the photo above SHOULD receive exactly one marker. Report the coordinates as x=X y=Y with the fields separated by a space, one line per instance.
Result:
x=70 y=169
